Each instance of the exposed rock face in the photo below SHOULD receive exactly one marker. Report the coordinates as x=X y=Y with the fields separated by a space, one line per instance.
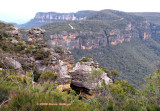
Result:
x=63 y=83
x=36 y=32
x=81 y=79
x=59 y=62
x=13 y=32
x=13 y=63
x=42 y=18
x=35 y=35
x=53 y=16
x=103 y=28
x=14 y=41
x=103 y=38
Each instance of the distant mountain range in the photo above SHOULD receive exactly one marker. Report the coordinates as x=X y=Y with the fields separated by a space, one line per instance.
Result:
x=42 y=18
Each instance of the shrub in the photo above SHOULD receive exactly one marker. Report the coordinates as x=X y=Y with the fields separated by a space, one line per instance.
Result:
x=11 y=67
x=96 y=74
x=4 y=92
x=36 y=76
x=86 y=59
x=1 y=37
x=4 y=47
x=19 y=47
x=49 y=75
x=22 y=101
x=5 y=35
x=59 y=49
x=27 y=66
x=41 y=54
x=2 y=65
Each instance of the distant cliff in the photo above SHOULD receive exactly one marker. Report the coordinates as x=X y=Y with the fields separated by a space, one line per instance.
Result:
x=100 y=29
x=42 y=18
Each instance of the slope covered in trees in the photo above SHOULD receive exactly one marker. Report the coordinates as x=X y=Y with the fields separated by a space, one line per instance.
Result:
x=134 y=60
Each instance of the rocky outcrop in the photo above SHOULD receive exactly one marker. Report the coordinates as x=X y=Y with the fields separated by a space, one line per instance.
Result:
x=56 y=60
x=13 y=31
x=36 y=32
x=61 y=61
x=81 y=76
x=13 y=63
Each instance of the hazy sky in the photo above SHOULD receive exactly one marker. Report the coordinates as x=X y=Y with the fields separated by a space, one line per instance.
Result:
x=21 y=11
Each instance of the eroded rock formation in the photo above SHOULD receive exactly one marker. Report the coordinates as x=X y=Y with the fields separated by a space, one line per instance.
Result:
x=102 y=39
x=80 y=74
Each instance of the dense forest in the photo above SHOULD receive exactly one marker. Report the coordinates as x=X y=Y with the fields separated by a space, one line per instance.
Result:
x=133 y=60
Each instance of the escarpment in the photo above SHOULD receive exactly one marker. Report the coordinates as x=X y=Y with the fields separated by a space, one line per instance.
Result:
x=90 y=39
x=100 y=29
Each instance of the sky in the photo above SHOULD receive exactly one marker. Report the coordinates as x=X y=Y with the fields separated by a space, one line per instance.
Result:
x=21 y=11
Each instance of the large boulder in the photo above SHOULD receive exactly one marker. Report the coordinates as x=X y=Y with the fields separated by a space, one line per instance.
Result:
x=15 y=64
x=81 y=75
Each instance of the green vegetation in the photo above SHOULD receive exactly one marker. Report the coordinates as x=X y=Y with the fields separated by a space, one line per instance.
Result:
x=6 y=43
x=86 y=59
x=96 y=74
x=59 y=49
x=22 y=95
x=48 y=75
x=5 y=27
x=133 y=60
x=41 y=54
x=122 y=96
x=87 y=25
x=116 y=19
x=152 y=17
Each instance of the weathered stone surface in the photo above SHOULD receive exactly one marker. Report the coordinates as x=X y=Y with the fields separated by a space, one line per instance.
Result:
x=52 y=17
x=102 y=38
x=13 y=63
x=14 y=32
x=80 y=75
x=14 y=41
x=36 y=31
x=63 y=83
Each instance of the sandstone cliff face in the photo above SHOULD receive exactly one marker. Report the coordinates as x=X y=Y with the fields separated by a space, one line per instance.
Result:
x=100 y=29
x=42 y=18
x=52 y=17
x=80 y=40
